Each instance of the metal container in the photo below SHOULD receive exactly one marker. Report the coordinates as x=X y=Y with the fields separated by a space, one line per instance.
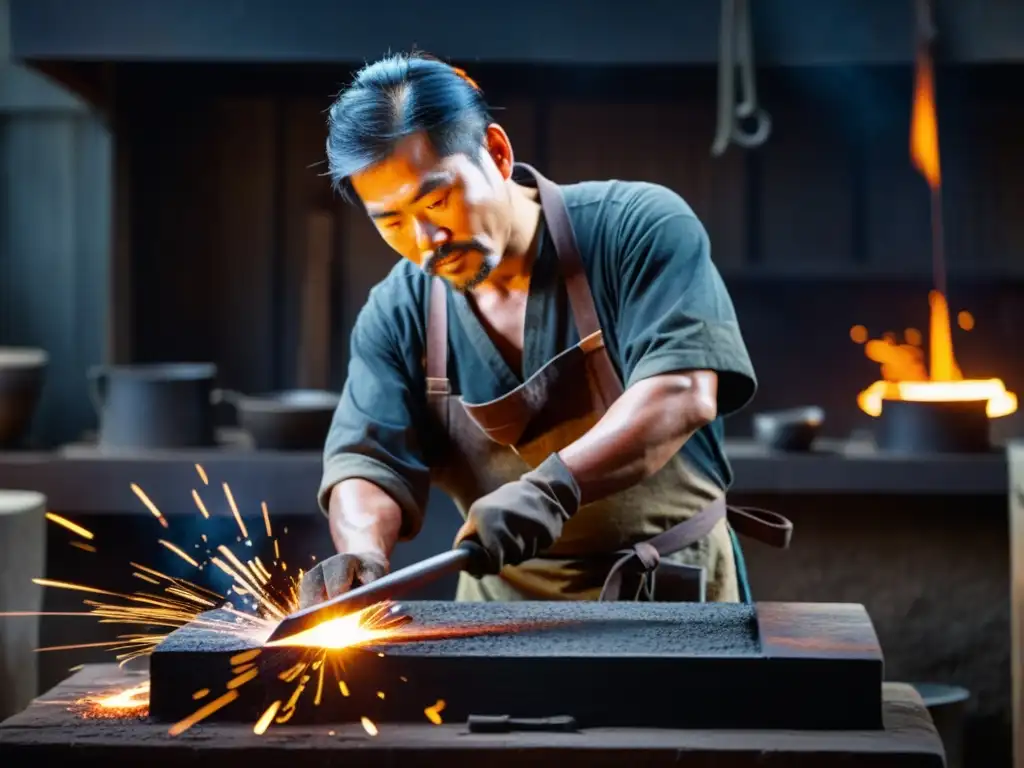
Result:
x=163 y=405
x=789 y=430
x=292 y=420
x=933 y=427
x=22 y=372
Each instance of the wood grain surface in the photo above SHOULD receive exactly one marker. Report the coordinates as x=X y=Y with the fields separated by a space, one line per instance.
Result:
x=47 y=730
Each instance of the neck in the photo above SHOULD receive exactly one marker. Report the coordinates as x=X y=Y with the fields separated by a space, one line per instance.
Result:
x=513 y=273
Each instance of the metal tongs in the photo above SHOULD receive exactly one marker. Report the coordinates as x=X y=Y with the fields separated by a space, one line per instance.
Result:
x=736 y=52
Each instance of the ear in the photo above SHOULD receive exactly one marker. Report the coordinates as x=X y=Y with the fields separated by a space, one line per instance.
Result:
x=500 y=149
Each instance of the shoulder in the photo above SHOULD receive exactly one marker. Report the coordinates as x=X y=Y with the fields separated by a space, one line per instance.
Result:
x=622 y=221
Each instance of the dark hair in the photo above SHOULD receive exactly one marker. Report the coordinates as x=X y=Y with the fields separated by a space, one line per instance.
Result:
x=395 y=97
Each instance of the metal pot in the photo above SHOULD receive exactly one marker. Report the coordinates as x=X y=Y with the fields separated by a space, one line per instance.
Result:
x=162 y=405
x=22 y=371
x=934 y=427
x=291 y=420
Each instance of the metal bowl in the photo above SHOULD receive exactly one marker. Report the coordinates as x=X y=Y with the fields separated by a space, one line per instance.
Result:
x=793 y=429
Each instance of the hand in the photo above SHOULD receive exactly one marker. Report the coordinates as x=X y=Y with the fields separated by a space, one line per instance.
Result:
x=522 y=518
x=338 y=574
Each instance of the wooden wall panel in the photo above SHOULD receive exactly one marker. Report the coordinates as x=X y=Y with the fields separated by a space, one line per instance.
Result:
x=247 y=140
x=805 y=193
x=306 y=194
x=995 y=188
x=667 y=144
x=896 y=198
x=173 y=208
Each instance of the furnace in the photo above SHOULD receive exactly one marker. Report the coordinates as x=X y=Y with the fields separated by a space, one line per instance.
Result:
x=671 y=665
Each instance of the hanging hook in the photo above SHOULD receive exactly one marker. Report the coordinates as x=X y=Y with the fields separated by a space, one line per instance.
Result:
x=736 y=52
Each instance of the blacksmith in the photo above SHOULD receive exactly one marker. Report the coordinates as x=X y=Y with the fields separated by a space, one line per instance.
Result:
x=558 y=359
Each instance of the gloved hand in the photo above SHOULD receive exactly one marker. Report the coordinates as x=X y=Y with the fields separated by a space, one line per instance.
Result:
x=521 y=518
x=338 y=574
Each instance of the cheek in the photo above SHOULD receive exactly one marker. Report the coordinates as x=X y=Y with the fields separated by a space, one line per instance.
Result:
x=401 y=240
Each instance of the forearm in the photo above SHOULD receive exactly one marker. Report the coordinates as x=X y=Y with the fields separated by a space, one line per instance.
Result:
x=363 y=518
x=640 y=432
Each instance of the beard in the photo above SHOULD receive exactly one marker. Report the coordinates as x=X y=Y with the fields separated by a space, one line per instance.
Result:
x=489 y=260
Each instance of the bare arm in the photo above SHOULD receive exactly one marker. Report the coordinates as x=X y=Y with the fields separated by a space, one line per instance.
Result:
x=641 y=431
x=363 y=518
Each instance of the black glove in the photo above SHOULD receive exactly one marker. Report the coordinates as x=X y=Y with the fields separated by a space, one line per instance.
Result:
x=521 y=518
x=338 y=574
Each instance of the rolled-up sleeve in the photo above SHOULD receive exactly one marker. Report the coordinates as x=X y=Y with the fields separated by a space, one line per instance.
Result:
x=376 y=433
x=674 y=310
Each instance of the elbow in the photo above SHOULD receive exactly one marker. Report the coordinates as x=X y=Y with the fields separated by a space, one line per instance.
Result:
x=703 y=410
x=689 y=405
x=693 y=398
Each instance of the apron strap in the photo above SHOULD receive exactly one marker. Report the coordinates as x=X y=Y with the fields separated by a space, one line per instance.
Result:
x=438 y=386
x=581 y=300
x=767 y=527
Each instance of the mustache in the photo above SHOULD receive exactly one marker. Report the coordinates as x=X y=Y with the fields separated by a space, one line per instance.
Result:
x=431 y=262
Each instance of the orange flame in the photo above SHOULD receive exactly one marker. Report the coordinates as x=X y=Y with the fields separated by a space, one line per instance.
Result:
x=924 y=127
x=904 y=375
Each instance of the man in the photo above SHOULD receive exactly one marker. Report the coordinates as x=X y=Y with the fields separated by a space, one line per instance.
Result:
x=558 y=359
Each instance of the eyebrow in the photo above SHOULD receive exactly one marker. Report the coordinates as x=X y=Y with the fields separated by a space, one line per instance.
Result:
x=428 y=185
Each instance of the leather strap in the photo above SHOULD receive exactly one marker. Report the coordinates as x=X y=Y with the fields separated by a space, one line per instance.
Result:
x=438 y=386
x=648 y=553
x=767 y=527
x=581 y=300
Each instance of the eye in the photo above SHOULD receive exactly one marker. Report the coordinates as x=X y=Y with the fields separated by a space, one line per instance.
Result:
x=439 y=203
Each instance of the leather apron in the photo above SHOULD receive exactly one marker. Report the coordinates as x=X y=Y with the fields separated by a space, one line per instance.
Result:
x=621 y=547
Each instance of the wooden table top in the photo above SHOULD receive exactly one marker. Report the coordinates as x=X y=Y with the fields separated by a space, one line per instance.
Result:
x=52 y=728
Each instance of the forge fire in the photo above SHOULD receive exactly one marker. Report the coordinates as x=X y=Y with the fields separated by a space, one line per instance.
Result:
x=905 y=375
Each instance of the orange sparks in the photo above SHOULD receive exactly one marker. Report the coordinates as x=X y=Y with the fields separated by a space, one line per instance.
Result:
x=202 y=474
x=368 y=725
x=347 y=631
x=68 y=585
x=242 y=679
x=176 y=550
x=434 y=713
x=266 y=518
x=199 y=504
x=343 y=688
x=266 y=718
x=82 y=546
x=149 y=504
x=202 y=693
x=202 y=713
x=234 y=511
x=73 y=527
x=244 y=657
x=131 y=701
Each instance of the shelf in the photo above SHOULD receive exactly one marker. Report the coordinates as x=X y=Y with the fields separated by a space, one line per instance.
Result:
x=288 y=482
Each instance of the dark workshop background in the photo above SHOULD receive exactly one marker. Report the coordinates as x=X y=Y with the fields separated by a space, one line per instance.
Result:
x=163 y=200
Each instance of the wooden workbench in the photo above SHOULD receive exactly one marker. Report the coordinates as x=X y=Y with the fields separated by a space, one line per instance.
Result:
x=47 y=732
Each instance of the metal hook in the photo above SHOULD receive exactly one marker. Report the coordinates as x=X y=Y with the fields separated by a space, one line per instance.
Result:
x=736 y=51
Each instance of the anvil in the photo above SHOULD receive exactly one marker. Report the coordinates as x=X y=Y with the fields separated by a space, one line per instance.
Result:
x=679 y=665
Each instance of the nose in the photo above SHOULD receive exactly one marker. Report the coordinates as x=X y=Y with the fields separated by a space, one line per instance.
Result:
x=430 y=237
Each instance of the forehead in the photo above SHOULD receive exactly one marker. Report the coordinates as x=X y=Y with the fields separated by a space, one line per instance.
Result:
x=399 y=176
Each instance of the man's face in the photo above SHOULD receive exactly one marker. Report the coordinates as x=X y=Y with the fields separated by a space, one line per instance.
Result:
x=451 y=216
